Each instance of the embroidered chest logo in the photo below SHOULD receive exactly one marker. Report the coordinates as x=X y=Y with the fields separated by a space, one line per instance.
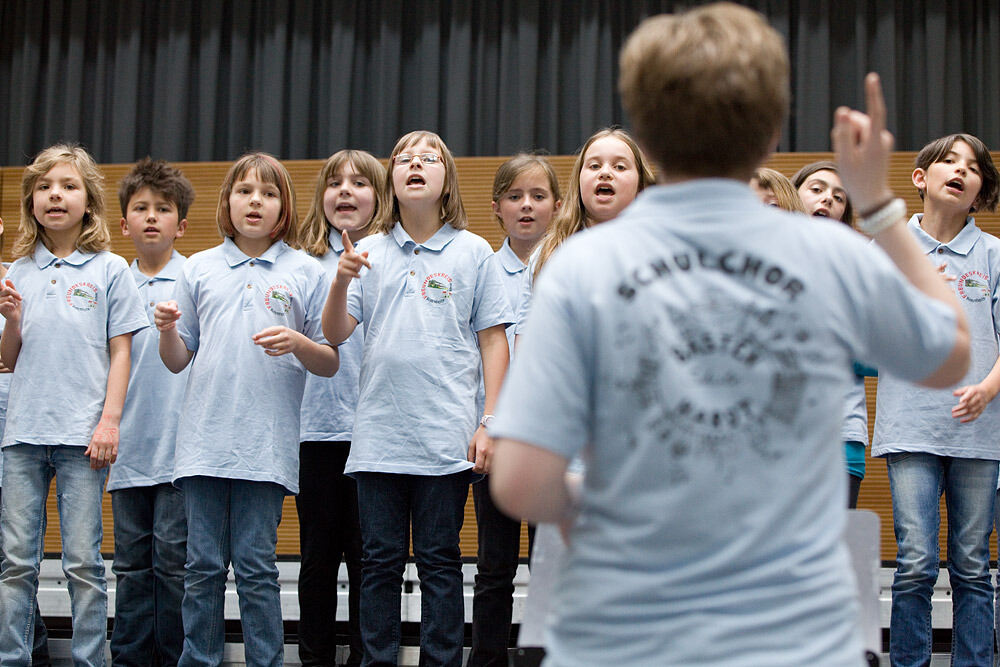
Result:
x=436 y=288
x=82 y=296
x=974 y=286
x=278 y=299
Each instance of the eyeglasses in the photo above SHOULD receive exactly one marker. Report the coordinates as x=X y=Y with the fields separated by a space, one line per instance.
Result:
x=425 y=158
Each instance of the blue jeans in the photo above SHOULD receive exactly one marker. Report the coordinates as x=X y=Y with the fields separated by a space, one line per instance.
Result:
x=435 y=506
x=232 y=521
x=969 y=486
x=150 y=548
x=28 y=471
x=40 y=643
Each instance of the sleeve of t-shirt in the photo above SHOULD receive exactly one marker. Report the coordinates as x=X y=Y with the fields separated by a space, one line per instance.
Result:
x=315 y=300
x=490 y=305
x=902 y=330
x=355 y=289
x=126 y=313
x=546 y=398
x=187 y=326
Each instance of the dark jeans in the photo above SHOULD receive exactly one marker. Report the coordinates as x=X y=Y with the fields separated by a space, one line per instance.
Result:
x=435 y=505
x=40 y=642
x=150 y=549
x=327 y=506
x=493 y=601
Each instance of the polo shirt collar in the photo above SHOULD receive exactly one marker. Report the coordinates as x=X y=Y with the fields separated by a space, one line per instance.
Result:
x=962 y=243
x=336 y=241
x=509 y=259
x=441 y=238
x=172 y=271
x=234 y=256
x=43 y=257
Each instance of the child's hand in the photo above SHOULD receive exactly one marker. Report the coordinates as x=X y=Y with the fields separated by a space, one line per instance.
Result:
x=973 y=400
x=10 y=301
x=948 y=277
x=103 y=447
x=863 y=146
x=277 y=341
x=481 y=450
x=351 y=261
x=166 y=315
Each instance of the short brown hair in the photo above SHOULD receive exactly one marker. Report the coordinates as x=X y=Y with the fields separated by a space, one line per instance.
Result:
x=160 y=177
x=315 y=233
x=452 y=210
x=269 y=170
x=95 y=235
x=706 y=89
x=521 y=163
x=937 y=149
x=787 y=196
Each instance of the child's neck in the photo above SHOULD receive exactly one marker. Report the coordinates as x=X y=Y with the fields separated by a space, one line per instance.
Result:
x=941 y=223
x=151 y=262
x=523 y=248
x=421 y=224
x=62 y=243
x=253 y=247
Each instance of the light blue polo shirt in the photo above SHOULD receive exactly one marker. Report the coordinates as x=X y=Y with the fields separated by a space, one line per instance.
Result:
x=72 y=306
x=698 y=349
x=512 y=271
x=153 y=404
x=918 y=419
x=421 y=305
x=5 y=379
x=241 y=407
x=328 y=403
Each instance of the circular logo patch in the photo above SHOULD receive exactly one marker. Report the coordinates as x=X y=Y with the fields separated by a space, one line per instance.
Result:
x=436 y=287
x=278 y=299
x=82 y=296
x=974 y=286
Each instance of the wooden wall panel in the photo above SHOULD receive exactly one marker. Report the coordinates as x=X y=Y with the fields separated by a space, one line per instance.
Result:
x=475 y=182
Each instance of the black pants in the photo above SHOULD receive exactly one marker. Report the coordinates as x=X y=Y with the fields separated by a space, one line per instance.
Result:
x=853 y=489
x=327 y=506
x=493 y=599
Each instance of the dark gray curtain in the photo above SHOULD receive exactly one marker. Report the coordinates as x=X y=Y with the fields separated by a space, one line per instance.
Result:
x=208 y=80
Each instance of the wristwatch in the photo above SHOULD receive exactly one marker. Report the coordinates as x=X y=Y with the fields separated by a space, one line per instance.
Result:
x=486 y=420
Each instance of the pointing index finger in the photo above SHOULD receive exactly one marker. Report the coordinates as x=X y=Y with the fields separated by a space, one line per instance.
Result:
x=348 y=246
x=875 y=102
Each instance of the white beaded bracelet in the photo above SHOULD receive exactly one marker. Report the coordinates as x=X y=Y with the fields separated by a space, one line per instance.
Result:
x=883 y=218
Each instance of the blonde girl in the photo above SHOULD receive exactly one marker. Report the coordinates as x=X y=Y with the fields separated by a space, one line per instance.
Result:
x=350 y=192
x=434 y=312
x=71 y=308
x=774 y=189
x=246 y=315
x=525 y=199
x=610 y=170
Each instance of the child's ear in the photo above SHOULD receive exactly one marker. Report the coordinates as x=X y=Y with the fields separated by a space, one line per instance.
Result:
x=182 y=226
x=496 y=211
x=124 y=227
x=558 y=205
x=919 y=178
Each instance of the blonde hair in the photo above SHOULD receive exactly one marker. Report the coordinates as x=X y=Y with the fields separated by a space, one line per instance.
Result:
x=452 y=211
x=314 y=236
x=94 y=235
x=572 y=216
x=268 y=170
x=706 y=90
x=522 y=163
x=784 y=192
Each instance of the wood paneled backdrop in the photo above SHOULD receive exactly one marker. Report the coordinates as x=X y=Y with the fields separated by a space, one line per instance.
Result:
x=475 y=180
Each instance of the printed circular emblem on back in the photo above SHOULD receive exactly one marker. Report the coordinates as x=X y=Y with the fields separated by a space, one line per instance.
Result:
x=278 y=299
x=974 y=286
x=437 y=287
x=82 y=296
